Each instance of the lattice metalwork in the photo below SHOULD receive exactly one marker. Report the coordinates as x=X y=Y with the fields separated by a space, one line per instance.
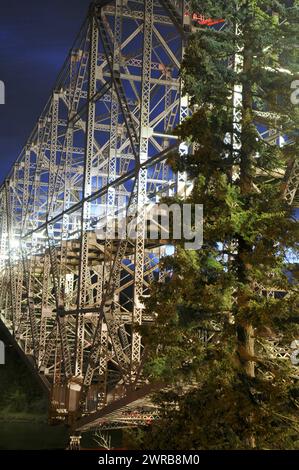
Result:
x=71 y=294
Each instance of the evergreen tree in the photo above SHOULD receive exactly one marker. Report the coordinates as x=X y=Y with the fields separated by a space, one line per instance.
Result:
x=235 y=390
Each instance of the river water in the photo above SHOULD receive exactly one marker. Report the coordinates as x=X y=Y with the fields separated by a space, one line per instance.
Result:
x=21 y=435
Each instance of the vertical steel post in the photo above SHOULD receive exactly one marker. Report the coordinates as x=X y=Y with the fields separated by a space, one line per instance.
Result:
x=87 y=189
x=142 y=180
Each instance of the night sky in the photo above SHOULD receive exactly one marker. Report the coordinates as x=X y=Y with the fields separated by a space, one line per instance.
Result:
x=35 y=38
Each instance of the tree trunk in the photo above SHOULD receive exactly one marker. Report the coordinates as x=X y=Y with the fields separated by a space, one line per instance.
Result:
x=245 y=330
x=245 y=335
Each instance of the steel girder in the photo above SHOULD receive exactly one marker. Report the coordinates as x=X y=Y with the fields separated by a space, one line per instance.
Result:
x=73 y=299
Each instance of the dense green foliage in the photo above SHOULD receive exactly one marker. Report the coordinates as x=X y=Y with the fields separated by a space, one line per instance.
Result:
x=19 y=392
x=234 y=392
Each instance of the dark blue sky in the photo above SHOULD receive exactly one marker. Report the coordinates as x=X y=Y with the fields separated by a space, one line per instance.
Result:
x=35 y=37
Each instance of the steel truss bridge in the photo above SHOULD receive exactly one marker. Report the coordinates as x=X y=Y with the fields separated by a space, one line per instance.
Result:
x=71 y=299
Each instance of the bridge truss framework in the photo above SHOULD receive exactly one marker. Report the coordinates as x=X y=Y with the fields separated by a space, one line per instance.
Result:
x=71 y=296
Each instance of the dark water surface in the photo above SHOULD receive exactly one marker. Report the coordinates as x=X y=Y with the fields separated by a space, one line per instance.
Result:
x=34 y=436
x=20 y=435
